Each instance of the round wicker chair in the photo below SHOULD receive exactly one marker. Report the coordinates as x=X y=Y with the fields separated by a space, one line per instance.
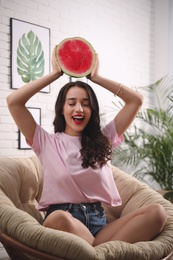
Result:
x=24 y=237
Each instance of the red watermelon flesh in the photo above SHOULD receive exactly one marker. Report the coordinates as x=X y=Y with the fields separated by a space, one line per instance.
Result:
x=75 y=56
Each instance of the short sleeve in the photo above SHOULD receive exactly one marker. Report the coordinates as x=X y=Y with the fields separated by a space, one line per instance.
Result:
x=38 y=140
x=110 y=131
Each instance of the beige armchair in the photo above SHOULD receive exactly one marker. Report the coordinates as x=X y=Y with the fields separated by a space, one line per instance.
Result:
x=24 y=237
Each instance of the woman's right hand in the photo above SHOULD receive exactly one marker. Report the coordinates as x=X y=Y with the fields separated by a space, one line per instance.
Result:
x=55 y=65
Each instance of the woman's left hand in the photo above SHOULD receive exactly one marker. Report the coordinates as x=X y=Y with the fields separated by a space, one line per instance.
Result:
x=94 y=73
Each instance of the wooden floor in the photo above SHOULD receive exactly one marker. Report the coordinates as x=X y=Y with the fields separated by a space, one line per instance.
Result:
x=3 y=254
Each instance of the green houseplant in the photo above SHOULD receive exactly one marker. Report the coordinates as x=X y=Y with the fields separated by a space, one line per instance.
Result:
x=148 y=146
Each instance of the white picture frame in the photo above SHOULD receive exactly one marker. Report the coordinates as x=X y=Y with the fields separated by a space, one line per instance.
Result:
x=30 y=53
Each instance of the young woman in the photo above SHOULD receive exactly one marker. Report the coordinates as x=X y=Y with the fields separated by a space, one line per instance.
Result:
x=76 y=160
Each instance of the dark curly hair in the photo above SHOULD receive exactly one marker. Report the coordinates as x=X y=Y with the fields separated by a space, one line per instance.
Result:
x=96 y=148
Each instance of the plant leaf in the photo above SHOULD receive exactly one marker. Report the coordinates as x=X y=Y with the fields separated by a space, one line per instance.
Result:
x=147 y=149
x=30 y=57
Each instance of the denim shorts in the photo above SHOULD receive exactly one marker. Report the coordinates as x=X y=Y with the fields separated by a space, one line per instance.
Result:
x=92 y=215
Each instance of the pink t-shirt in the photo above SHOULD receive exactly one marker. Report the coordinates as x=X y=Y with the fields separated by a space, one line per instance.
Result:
x=65 y=180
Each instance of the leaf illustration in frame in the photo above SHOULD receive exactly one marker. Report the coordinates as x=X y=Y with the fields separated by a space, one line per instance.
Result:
x=30 y=57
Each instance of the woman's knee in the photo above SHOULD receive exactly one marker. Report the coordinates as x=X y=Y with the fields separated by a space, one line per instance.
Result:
x=59 y=219
x=157 y=215
x=64 y=221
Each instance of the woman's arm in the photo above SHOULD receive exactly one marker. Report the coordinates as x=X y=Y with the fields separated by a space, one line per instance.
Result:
x=17 y=100
x=132 y=99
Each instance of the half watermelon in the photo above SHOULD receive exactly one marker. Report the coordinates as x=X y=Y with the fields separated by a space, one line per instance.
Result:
x=76 y=57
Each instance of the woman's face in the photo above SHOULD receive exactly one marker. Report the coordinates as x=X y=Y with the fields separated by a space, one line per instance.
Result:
x=77 y=110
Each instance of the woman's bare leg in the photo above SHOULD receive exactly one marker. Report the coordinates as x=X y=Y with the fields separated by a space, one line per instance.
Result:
x=64 y=221
x=142 y=224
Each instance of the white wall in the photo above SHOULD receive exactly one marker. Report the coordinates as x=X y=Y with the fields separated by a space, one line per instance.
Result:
x=162 y=19
x=121 y=31
x=170 y=37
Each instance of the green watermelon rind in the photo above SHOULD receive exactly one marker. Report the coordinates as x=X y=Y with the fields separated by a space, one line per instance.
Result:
x=63 y=66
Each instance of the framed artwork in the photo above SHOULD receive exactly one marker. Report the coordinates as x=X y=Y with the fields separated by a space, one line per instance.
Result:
x=30 y=53
x=36 y=113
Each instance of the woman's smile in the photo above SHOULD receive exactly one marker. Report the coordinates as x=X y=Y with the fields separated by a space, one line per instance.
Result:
x=78 y=119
